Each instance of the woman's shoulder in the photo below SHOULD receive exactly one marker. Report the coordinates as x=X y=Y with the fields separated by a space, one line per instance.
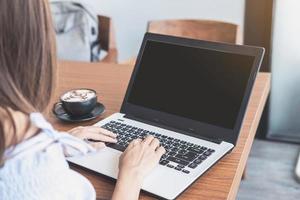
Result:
x=33 y=155
x=47 y=142
x=43 y=175
x=37 y=166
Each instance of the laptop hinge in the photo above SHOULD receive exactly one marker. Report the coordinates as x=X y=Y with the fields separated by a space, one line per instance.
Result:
x=165 y=126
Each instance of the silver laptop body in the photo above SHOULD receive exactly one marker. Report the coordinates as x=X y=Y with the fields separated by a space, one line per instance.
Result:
x=198 y=130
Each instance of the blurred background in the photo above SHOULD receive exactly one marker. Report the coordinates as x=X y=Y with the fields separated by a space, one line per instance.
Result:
x=131 y=16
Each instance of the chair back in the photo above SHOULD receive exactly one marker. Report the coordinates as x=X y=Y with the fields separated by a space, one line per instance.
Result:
x=197 y=29
x=107 y=39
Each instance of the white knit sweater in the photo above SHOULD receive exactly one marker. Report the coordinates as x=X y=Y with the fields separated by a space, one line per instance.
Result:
x=36 y=169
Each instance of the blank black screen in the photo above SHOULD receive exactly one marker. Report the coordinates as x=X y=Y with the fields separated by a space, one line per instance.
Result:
x=199 y=84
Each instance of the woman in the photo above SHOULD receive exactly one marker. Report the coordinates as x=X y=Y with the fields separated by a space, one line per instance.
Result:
x=32 y=162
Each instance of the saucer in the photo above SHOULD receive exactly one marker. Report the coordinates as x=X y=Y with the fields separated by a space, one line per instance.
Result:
x=61 y=114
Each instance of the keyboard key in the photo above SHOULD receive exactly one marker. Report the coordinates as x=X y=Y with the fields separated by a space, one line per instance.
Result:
x=178 y=161
x=207 y=153
x=185 y=171
x=176 y=144
x=120 y=137
x=198 y=151
x=168 y=147
x=178 y=168
x=181 y=166
x=202 y=157
x=124 y=139
x=168 y=142
x=174 y=149
x=172 y=153
x=133 y=137
x=211 y=150
x=182 y=151
x=163 y=162
x=193 y=165
x=189 y=144
x=188 y=157
x=171 y=166
x=204 y=148
x=183 y=146
x=197 y=161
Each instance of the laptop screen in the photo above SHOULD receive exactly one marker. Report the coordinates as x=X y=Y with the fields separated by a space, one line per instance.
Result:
x=199 y=84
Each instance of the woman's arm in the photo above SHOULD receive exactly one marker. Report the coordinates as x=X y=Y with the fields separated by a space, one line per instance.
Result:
x=128 y=187
x=136 y=163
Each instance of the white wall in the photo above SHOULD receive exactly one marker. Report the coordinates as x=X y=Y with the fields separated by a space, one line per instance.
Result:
x=131 y=16
x=285 y=92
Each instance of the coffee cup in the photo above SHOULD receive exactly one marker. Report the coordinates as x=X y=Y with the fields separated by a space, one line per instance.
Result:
x=79 y=102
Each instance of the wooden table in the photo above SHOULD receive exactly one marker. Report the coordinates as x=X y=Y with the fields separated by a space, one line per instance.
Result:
x=110 y=81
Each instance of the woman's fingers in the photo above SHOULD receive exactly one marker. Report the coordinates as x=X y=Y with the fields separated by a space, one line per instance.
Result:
x=148 y=140
x=100 y=130
x=136 y=142
x=154 y=143
x=108 y=133
x=160 y=151
x=94 y=133
x=100 y=137
x=133 y=143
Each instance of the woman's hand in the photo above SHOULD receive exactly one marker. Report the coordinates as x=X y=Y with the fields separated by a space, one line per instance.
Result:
x=140 y=157
x=94 y=135
x=135 y=164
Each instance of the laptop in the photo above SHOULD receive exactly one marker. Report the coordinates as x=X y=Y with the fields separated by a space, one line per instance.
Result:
x=192 y=95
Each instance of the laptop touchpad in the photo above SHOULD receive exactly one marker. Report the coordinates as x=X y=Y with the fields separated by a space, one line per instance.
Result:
x=105 y=161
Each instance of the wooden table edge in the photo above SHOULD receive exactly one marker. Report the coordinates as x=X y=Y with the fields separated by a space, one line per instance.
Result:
x=249 y=141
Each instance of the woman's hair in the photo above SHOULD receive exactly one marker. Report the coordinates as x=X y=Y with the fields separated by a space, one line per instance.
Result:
x=27 y=61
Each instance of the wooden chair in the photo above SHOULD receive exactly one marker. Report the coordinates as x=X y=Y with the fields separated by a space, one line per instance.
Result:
x=107 y=39
x=197 y=29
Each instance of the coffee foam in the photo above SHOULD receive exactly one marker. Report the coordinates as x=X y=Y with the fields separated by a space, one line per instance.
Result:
x=78 y=95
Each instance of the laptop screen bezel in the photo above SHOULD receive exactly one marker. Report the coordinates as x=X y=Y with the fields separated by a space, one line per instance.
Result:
x=188 y=126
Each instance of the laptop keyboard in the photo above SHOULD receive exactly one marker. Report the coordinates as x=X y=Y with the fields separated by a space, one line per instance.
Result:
x=180 y=155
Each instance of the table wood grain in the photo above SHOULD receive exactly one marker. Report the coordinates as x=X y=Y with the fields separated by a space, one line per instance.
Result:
x=110 y=81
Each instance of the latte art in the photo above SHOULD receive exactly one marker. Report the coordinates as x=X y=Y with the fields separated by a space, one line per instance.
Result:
x=78 y=95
